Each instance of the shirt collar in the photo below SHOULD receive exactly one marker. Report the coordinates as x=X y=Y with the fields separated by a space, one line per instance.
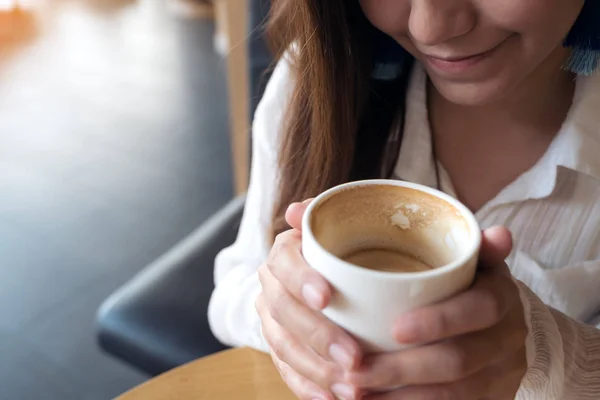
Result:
x=575 y=147
x=581 y=130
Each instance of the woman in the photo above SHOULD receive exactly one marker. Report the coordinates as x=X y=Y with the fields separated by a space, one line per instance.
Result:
x=497 y=111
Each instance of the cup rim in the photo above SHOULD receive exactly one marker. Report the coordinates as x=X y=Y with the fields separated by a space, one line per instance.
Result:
x=472 y=224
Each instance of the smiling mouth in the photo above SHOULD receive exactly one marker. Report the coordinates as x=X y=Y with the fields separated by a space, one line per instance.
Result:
x=455 y=59
x=458 y=64
x=461 y=58
x=458 y=58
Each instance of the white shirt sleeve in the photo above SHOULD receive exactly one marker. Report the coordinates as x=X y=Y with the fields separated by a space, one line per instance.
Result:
x=563 y=355
x=231 y=312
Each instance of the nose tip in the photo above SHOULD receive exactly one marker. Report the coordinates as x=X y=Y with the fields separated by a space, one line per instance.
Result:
x=433 y=22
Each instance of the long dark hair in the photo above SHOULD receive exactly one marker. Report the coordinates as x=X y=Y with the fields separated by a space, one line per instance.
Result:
x=338 y=120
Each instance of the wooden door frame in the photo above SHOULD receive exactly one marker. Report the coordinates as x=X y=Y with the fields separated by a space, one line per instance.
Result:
x=232 y=21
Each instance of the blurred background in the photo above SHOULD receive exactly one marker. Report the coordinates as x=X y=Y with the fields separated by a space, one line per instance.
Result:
x=118 y=137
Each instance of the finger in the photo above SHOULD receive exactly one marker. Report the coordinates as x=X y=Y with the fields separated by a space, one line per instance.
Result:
x=295 y=212
x=308 y=326
x=302 y=387
x=478 y=308
x=286 y=349
x=287 y=264
x=471 y=388
x=496 y=245
x=500 y=381
x=324 y=375
x=442 y=362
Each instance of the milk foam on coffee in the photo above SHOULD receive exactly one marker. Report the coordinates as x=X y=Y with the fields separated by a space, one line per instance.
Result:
x=390 y=228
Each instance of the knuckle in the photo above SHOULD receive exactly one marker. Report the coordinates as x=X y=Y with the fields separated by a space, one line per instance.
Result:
x=389 y=377
x=285 y=371
x=433 y=323
x=327 y=374
x=270 y=271
x=270 y=265
x=279 y=237
x=282 y=241
x=492 y=306
x=441 y=323
x=280 y=257
x=278 y=304
x=320 y=337
x=279 y=347
x=280 y=246
x=458 y=362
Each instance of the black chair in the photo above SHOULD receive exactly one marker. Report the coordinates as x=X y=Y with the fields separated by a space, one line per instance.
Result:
x=158 y=320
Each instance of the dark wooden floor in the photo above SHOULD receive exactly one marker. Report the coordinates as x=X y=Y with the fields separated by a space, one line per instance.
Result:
x=113 y=146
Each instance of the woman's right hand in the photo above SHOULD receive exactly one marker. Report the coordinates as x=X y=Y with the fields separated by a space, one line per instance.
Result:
x=311 y=353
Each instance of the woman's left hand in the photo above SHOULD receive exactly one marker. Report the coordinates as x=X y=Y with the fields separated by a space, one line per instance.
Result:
x=470 y=347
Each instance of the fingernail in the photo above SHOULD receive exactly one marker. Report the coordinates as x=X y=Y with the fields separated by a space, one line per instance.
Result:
x=343 y=391
x=313 y=298
x=341 y=356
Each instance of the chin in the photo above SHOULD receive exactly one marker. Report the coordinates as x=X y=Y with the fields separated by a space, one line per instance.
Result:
x=471 y=93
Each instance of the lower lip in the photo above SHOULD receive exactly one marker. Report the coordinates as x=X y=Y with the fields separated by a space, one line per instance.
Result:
x=458 y=66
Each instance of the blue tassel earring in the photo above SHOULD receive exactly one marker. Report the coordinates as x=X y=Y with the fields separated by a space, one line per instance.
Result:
x=584 y=39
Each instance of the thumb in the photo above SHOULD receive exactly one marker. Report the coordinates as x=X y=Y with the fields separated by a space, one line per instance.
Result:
x=496 y=245
x=295 y=212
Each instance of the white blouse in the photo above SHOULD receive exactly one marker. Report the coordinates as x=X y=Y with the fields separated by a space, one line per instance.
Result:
x=553 y=211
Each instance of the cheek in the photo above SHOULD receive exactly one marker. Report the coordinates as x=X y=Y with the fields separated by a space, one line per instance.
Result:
x=540 y=23
x=389 y=16
x=520 y=15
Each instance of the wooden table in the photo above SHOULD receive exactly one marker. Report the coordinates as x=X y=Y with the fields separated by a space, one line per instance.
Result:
x=230 y=375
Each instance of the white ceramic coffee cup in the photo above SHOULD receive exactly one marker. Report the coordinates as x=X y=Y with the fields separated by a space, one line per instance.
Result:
x=366 y=302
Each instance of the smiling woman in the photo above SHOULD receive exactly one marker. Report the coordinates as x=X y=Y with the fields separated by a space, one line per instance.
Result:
x=482 y=99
